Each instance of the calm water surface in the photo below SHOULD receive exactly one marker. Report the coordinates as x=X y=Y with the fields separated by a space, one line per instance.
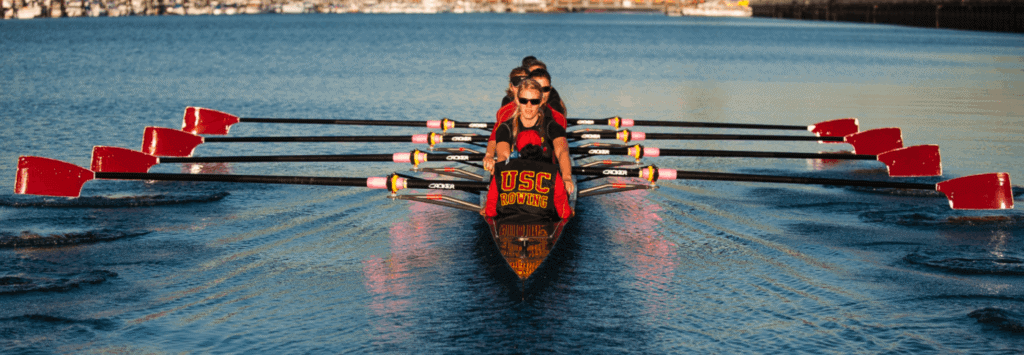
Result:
x=694 y=266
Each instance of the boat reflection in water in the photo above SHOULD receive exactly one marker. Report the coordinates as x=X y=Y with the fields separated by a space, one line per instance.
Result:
x=525 y=246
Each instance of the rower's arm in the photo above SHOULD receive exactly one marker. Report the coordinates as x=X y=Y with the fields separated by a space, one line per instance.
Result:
x=492 y=146
x=562 y=153
x=502 y=151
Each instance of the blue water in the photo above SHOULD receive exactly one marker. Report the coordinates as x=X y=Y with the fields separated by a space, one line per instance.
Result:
x=694 y=266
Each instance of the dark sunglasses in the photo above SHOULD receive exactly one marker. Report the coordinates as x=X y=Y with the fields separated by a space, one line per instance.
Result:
x=517 y=79
x=545 y=89
x=534 y=102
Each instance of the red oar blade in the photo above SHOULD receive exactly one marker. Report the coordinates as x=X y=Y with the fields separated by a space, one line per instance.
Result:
x=875 y=141
x=166 y=142
x=121 y=160
x=835 y=128
x=918 y=160
x=49 y=177
x=990 y=191
x=200 y=120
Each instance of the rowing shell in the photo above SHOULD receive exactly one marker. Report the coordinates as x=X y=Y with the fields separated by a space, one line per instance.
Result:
x=525 y=247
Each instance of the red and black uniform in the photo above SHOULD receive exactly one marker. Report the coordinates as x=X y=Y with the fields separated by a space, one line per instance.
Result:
x=508 y=110
x=547 y=134
x=527 y=190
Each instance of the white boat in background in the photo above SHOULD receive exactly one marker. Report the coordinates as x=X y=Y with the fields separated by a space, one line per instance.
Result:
x=29 y=12
x=720 y=8
x=293 y=8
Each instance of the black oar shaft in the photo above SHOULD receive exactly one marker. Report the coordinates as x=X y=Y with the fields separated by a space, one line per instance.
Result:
x=748 y=137
x=605 y=171
x=334 y=121
x=691 y=136
x=310 y=139
x=282 y=158
x=701 y=175
x=750 y=154
x=725 y=153
x=316 y=158
x=716 y=125
x=451 y=185
x=293 y=180
x=481 y=125
x=321 y=139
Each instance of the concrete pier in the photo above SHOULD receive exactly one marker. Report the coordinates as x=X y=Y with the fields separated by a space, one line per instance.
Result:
x=983 y=15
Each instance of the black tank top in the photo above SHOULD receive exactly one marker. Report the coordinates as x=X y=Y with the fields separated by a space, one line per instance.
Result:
x=526 y=188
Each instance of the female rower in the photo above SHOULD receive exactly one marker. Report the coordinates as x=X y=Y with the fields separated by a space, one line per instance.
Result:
x=553 y=98
x=517 y=75
x=508 y=107
x=530 y=116
x=542 y=77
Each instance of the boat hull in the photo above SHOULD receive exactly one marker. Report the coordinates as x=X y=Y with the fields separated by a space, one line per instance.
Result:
x=525 y=246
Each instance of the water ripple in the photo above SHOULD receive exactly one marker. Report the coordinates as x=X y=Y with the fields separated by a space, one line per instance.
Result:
x=57 y=283
x=28 y=239
x=109 y=202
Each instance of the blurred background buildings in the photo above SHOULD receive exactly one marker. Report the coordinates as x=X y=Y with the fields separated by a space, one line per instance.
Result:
x=990 y=15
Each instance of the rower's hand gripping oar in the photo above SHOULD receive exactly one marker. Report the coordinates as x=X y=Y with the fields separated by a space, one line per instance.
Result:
x=198 y=120
x=991 y=191
x=833 y=128
x=50 y=177
x=914 y=161
x=870 y=142
x=166 y=142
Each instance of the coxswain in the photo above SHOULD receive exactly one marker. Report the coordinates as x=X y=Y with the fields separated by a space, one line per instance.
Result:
x=528 y=189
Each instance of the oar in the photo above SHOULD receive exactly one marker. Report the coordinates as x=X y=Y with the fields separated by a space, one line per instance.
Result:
x=914 y=161
x=169 y=142
x=871 y=142
x=989 y=191
x=166 y=142
x=50 y=177
x=833 y=128
x=115 y=159
x=922 y=160
x=200 y=120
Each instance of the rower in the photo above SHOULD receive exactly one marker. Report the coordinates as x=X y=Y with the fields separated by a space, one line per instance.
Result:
x=554 y=99
x=517 y=75
x=527 y=189
x=549 y=96
x=508 y=107
x=530 y=116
